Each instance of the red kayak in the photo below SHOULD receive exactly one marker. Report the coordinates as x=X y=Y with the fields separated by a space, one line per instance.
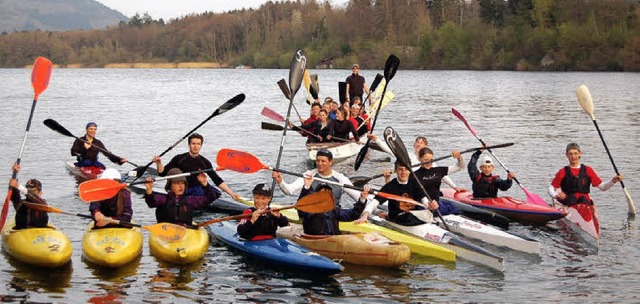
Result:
x=83 y=173
x=514 y=209
x=583 y=220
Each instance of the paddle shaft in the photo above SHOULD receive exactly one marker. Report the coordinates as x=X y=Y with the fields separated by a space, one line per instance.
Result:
x=240 y=216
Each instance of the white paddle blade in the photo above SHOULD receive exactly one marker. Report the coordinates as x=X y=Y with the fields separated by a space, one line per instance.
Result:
x=584 y=98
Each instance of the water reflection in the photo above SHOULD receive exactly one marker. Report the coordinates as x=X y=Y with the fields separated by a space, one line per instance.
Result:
x=25 y=277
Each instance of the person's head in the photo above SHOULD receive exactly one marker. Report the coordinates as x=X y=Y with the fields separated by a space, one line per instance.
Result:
x=315 y=109
x=341 y=114
x=327 y=104
x=261 y=196
x=355 y=68
x=573 y=153
x=424 y=155
x=486 y=165
x=34 y=186
x=324 y=187
x=324 y=161
x=419 y=143
x=91 y=128
x=355 y=110
x=111 y=173
x=323 y=115
x=334 y=106
x=195 y=143
x=402 y=171
x=177 y=185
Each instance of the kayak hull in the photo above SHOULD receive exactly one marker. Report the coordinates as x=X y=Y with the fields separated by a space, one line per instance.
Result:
x=111 y=247
x=340 y=150
x=84 y=173
x=191 y=248
x=583 y=220
x=43 y=247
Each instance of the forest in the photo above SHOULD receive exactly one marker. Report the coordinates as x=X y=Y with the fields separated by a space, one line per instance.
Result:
x=522 y=35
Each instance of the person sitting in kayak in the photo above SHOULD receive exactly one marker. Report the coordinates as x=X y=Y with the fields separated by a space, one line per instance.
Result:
x=117 y=208
x=263 y=223
x=341 y=127
x=422 y=142
x=485 y=184
x=175 y=207
x=26 y=217
x=87 y=147
x=320 y=128
x=325 y=223
x=400 y=212
x=431 y=178
x=571 y=185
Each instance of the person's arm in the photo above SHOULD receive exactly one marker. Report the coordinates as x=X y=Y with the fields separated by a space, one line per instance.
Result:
x=245 y=225
x=348 y=215
x=159 y=166
x=77 y=149
x=288 y=188
x=354 y=132
x=471 y=167
x=505 y=184
x=457 y=167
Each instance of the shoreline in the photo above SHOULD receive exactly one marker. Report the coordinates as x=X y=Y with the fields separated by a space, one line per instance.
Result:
x=148 y=65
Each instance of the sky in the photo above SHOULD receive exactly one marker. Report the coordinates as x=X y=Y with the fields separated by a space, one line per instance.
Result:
x=171 y=9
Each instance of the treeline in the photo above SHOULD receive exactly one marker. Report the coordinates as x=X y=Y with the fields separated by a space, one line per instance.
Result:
x=562 y=35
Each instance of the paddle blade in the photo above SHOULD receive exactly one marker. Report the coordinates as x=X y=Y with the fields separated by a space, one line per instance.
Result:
x=272 y=127
x=632 y=208
x=398 y=198
x=315 y=87
x=5 y=209
x=342 y=91
x=306 y=79
x=230 y=104
x=272 y=114
x=99 y=189
x=533 y=198
x=376 y=82
x=316 y=202
x=360 y=181
x=390 y=67
x=55 y=126
x=397 y=146
x=296 y=71
x=40 y=75
x=361 y=155
x=239 y=161
x=284 y=88
x=167 y=232
x=457 y=114
x=584 y=98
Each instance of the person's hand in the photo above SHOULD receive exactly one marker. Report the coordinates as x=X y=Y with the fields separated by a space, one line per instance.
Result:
x=276 y=213
x=15 y=167
x=383 y=215
x=365 y=193
x=459 y=189
x=561 y=195
x=277 y=176
x=617 y=178
x=433 y=205
x=511 y=175
x=372 y=136
x=329 y=137
x=404 y=206
x=308 y=180
x=98 y=216
x=124 y=160
x=14 y=183
x=156 y=159
x=363 y=218
x=387 y=175
x=148 y=184
x=202 y=179
x=255 y=215
x=456 y=154
x=236 y=197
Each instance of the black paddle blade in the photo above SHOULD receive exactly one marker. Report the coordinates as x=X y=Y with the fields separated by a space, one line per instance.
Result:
x=284 y=88
x=313 y=92
x=296 y=71
x=375 y=83
x=359 y=181
x=230 y=104
x=54 y=125
x=361 y=155
x=390 y=67
x=342 y=91
x=270 y=126
x=397 y=146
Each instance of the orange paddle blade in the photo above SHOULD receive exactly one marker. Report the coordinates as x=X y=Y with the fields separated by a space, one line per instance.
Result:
x=398 y=198
x=167 y=232
x=239 y=161
x=316 y=202
x=99 y=189
x=40 y=75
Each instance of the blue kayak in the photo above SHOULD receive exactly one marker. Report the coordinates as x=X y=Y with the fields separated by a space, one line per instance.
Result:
x=279 y=252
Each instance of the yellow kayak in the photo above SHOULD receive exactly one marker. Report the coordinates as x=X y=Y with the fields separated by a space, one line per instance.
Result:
x=45 y=247
x=111 y=247
x=187 y=250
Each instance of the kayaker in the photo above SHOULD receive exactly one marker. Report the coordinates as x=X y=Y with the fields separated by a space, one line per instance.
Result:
x=340 y=127
x=313 y=114
x=485 y=184
x=25 y=217
x=193 y=161
x=85 y=149
x=356 y=84
x=570 y=186
x=328 y=106
x=264 y=222
x=319 y=127
x=399 y=212
x=422 y=142
x=431 y=177
x=117 y=208
x=360 y=120
x=174 y=206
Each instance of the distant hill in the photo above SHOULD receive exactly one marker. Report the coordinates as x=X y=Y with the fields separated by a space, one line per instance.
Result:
x=56 y=15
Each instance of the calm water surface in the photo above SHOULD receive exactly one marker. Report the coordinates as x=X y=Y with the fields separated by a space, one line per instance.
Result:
x=142 y=112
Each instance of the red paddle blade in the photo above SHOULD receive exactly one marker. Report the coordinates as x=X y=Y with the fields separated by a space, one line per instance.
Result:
x=272 y=114
x=457 y=114
x=5 y=209
x=99 y=189
x=40 y=75
x=533 y=198
x=239 y=161
x=398 y=198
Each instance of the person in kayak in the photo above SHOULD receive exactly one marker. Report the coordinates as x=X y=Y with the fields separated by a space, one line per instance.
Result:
x=193 y=161
x=325 y=223
x=87 y=147
x=431 y=177
x=174 y=206
x=26 y=217
x=264 y=222
x=420 y=143
x=340 y=127
x=400 y=212
x=571 y=185
x=320 y=128
x=485 y=184
x=117 y=208
x=356 y=84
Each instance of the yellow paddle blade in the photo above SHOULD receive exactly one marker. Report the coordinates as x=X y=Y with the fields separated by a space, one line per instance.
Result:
x=167 y=231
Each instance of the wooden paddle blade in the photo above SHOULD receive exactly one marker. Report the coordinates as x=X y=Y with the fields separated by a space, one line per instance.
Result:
x=376 y=82
x=457 y=114
x=272 y=114
x=397 y=146
x=167 y=232
x=99 y=189
x=316 y=202
x=40 y=75
x=398 y=198
x=585 y=100
x=55 y=126
x=390 y=67
x=306 y=80
x=296 y=71
x=284 y=88
x=239 y=161
x=270 y=126
x=42 y=207
x=230 y=104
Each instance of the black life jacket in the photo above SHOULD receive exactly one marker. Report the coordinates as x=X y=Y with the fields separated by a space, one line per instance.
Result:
x=27 y=217
x=575 y=184
x=485 y=186
x=177 y=212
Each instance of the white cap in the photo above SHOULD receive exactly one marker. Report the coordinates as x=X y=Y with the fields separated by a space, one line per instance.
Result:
x=110 y=173
x=486 y=161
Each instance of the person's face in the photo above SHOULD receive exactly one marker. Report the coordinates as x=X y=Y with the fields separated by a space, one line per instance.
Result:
x=574 y=156
x=195 y=145
x=355 y=70
x=355 y=112
x=315 y=110
x=334 y=106
x=403 y=173
x=260 y=201
x=178 y=187
x=419 y=145
x=91 y=131
x=327 y=107
x=339 y=115
x=486 y=169
x=323 y=116
x=427 y=157
x=324 y=165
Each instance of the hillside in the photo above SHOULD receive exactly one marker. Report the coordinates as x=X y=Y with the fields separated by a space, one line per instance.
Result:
x=56 y=15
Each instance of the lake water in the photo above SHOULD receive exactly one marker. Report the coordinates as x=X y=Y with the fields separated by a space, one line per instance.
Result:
x=142 y=112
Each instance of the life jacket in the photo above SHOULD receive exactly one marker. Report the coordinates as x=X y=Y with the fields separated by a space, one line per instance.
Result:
x=27 y=217
x=485 y=186
x=177 y=212
x=575 y=184
x=113 y=209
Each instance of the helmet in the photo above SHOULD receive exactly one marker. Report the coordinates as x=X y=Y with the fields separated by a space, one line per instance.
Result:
x=111 y=173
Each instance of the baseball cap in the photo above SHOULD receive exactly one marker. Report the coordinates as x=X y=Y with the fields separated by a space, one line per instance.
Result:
x=355 y=65
x=33 y=184
x=326 y=153
x=486 y=161
x=263 y=189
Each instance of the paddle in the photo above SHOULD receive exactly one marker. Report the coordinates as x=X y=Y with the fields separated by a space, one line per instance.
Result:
x=315 y=87
x=245 y=162
x=287 y=93
x=531 y=197
x=40 y=76
x=274 y=127
x=387 y=98
x=102 y=189
x=230 y=104
x=390 y=68
x=362 y=180
x=400 y=151
x=316 y=202
x=584 y=98
x=166 y=231
x=374 y=86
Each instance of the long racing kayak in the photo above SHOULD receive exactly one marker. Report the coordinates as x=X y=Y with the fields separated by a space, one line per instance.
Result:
x=189 y=249
x=112 y=246
x=44 y=247
x=583 y=220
